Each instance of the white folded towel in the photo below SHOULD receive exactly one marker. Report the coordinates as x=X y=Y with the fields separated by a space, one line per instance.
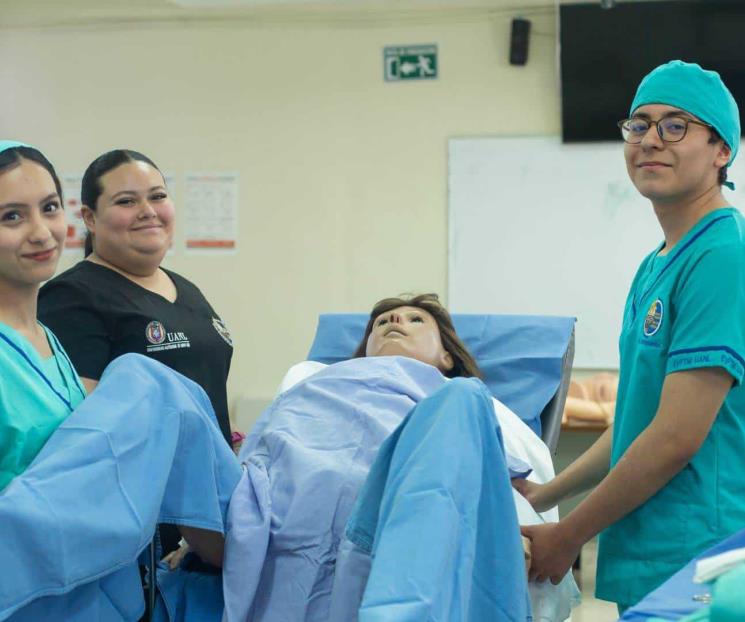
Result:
x=711 y=567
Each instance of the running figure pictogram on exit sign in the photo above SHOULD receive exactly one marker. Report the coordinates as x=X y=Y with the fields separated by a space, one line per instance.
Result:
x=410 y=62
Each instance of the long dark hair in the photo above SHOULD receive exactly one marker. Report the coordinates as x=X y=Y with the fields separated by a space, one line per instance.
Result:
x=91 y=187
x=10 y=158
x=463 y=362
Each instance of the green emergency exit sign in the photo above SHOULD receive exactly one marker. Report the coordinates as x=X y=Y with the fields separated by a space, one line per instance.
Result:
x=410 y=62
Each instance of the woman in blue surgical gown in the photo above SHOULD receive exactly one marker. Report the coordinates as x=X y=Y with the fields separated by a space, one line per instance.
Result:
x=39 y=390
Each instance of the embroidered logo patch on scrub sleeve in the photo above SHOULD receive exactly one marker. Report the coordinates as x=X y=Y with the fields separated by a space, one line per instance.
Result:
x=222 y=330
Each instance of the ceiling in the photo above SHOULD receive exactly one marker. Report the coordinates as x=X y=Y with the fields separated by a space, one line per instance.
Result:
x=51 y=13
x=36 y=13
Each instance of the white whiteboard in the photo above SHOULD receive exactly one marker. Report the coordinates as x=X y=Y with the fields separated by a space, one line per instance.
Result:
x=541 y=227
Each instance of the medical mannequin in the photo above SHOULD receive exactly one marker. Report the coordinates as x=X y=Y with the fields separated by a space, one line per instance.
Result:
x=591 y=401
x=312 y=448
x=420 y=327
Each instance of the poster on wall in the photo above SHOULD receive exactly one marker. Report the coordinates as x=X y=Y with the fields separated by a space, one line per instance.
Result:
x=211 y=210
x=75 y=238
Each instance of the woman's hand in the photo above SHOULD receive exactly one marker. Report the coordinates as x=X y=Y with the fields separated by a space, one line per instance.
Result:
x=536 y=494
x=174 y=558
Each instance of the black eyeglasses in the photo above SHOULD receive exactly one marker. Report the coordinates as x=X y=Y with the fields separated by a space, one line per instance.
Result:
x=670 y=129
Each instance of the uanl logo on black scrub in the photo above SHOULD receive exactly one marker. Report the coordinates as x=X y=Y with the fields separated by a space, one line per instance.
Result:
x=155 y=333
x=160 y=339
x=222 y=330
x=653 y=319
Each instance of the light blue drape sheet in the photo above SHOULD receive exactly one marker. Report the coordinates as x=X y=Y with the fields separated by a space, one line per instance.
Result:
x=305 y=462
x=437 y=516
x=143 y=448
x=306 y=458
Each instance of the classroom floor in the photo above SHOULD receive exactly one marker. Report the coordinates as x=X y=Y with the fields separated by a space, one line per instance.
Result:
x=591 y=609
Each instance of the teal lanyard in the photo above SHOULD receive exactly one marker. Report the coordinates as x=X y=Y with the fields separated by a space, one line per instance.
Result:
x=42 y=375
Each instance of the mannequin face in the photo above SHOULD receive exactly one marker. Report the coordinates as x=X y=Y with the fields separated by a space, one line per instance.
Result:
x=409 y=331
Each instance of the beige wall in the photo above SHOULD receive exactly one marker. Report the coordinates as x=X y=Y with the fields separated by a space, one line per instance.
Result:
x=343 y=196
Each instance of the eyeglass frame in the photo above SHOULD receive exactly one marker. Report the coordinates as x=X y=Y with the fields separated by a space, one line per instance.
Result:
x=650 y=122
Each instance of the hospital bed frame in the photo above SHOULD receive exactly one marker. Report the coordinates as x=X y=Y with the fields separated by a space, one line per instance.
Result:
x=151 y=583
x=553 y=411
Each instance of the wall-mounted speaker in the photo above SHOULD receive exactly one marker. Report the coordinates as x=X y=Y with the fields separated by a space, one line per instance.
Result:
x=519 y=40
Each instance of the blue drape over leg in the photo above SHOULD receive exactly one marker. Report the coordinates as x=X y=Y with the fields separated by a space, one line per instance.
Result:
x=438 y=515
x=143 y=448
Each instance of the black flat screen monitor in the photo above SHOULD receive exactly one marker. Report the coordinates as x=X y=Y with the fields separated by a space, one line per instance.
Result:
x=606 y=52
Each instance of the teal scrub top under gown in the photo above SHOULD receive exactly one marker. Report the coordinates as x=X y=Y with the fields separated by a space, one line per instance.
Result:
x=36 y=395
x=685 y=310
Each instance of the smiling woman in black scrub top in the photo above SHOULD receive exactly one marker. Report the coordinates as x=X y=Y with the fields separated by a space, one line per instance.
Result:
x=120 y=300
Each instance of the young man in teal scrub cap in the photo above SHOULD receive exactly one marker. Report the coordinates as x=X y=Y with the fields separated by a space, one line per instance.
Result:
x=670 y=474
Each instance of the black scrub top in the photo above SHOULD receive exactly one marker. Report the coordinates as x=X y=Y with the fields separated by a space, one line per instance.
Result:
x=98 y=315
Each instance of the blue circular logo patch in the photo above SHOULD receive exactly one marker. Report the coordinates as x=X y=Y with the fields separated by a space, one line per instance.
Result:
x=653 y=320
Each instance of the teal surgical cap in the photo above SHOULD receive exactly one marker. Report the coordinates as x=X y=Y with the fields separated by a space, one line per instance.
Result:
x=701 y=92
x=9 y=144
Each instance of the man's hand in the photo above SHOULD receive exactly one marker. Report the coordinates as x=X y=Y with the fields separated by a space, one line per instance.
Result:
x=552 y=551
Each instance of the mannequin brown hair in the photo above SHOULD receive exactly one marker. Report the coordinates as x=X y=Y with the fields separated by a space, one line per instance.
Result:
x=463 y=362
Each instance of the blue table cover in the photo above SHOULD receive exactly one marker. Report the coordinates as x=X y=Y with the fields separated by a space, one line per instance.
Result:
x=673 y=600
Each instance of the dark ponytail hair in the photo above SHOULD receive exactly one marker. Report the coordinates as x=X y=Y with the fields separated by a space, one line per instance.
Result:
x=12 y=157
x=91 y=188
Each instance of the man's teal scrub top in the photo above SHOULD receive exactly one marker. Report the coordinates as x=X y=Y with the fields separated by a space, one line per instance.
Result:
x=31 y=409
x=685 y=310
